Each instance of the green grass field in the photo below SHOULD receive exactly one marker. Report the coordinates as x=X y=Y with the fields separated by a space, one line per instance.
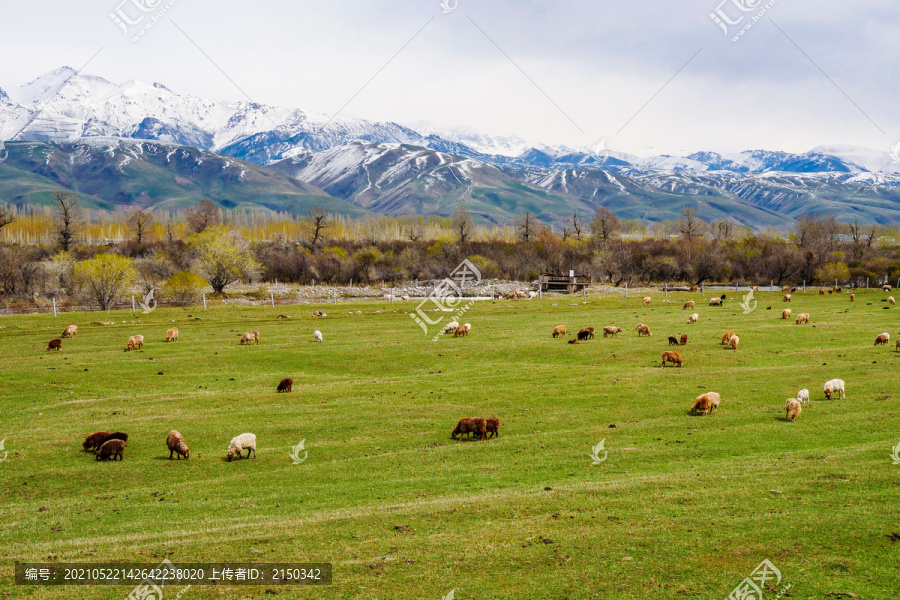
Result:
x=682 y=507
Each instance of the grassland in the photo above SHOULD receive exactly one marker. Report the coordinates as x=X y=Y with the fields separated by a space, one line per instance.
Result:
x=682 y=507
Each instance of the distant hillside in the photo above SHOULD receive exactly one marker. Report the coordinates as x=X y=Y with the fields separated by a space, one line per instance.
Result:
x=110 y=172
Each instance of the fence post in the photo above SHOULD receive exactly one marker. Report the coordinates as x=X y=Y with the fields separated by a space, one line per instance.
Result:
x=392 y=295
x=54 y=307
x=132 y=306
x=626 y=289
x=204 y=300
x=771 y=285
x=667 y=289
x=867 y=283
x=334 y=296
x=541 y=291
x=804 y=286
x=272 y=296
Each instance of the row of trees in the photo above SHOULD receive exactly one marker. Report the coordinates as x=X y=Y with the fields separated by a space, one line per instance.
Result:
x=818 y=250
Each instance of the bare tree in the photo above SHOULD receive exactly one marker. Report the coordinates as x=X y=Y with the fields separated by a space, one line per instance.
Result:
x=605 y=224
x=6 y=216
x=317 y=219
x=414 y=229
x=723 y=230
x=525 y=226
x=67 y=219
x=462 y=223
x=203 y=216
x=576 y=225
x=141 y=225
x=690 y=225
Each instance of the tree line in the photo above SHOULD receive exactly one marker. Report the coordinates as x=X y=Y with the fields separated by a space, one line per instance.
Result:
x=204 y=252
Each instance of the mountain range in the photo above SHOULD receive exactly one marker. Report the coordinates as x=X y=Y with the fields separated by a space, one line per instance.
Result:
x=137 y=144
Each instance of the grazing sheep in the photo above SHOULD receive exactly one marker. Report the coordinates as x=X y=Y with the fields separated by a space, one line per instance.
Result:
x=175 y=442
x=835 y=386
x=250 y=337
x=644 y=330
x=883 y=339
x=646 y=300
x=734 y=341
x=694 y=288
x=286 y=386
x=589 y=331
x=787 y=298
x=451 y=326
x=786 y=313
x=693 y=318
x=319 y=313
x=573 y=341
x=532 y=295
x=462 y=330
x=95 y=440
x=111 y=449
x=70 y=331
x=134 y=342
x=715 y=302
x=611 y=330
x=727 y=337
x=55 y=344
x=245 y=441
x=803 y=395
x=672 y=357
x=792 y=409
x=468 y=426
x=688 y=304
x=786 y=289
x=492 y=426
x=707 y=403
x=673 y=341
x=886 y=288
x=897 y=346
x=172 y=335
x=852 y=297
x=115 y=436
x=802 y=318
x=836 y=290
x=520 y=295
x=821 y=292
x=683 y=339
x=405 y=298
x=891 y=300
x=317 y=335
x=559 y=331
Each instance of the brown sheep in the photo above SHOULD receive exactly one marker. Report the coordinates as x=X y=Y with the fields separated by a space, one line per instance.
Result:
x=733 y=342
x=802 y=318
x=786 y=298
x=792 y=409
x=115 y=436
x=469 y=426
x=95 y=440
x=646 y=300
x=883 y=339
x=786 y=289
x=611 y=330
x=172 y=335
x=694 y=288
x=673 y=341
x=836 y=290
x=462 y=330
x=644 y=330
x=672 y=357
x=70 y=331
x=727 y=337
x=707 y=403
x=55 y=344
x=897 y=346
x=688 y=304
x=683 y=339
x=492 y=426
x=135 y=341
x=250 y=337
x=786 y=313
x=573 y=341
x=112 y=449
x=852 y=297
x=559 y=331
x=286 y=385
x=587 y=330
x=821 y=292
x=176 y=445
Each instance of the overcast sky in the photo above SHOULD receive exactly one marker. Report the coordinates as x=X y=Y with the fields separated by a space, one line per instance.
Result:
x=570 y=72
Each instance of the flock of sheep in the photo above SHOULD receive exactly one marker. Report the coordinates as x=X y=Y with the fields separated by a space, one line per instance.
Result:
x=708 y=403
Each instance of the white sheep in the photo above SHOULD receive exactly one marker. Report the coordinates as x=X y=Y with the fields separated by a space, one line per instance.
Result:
x=532 y=295
x=405 y=298
x=715 y=302
x=245 y=441
x=451 y=326
x=693 y=318
x=318 y=335
x=803 y=395
x=792 y=409
x=835 y=386
x=891 y=300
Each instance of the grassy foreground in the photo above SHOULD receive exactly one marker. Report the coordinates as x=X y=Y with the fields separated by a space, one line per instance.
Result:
x=682 y=507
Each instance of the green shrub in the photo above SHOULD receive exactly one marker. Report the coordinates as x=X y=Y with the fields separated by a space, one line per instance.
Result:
x=183 y=288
